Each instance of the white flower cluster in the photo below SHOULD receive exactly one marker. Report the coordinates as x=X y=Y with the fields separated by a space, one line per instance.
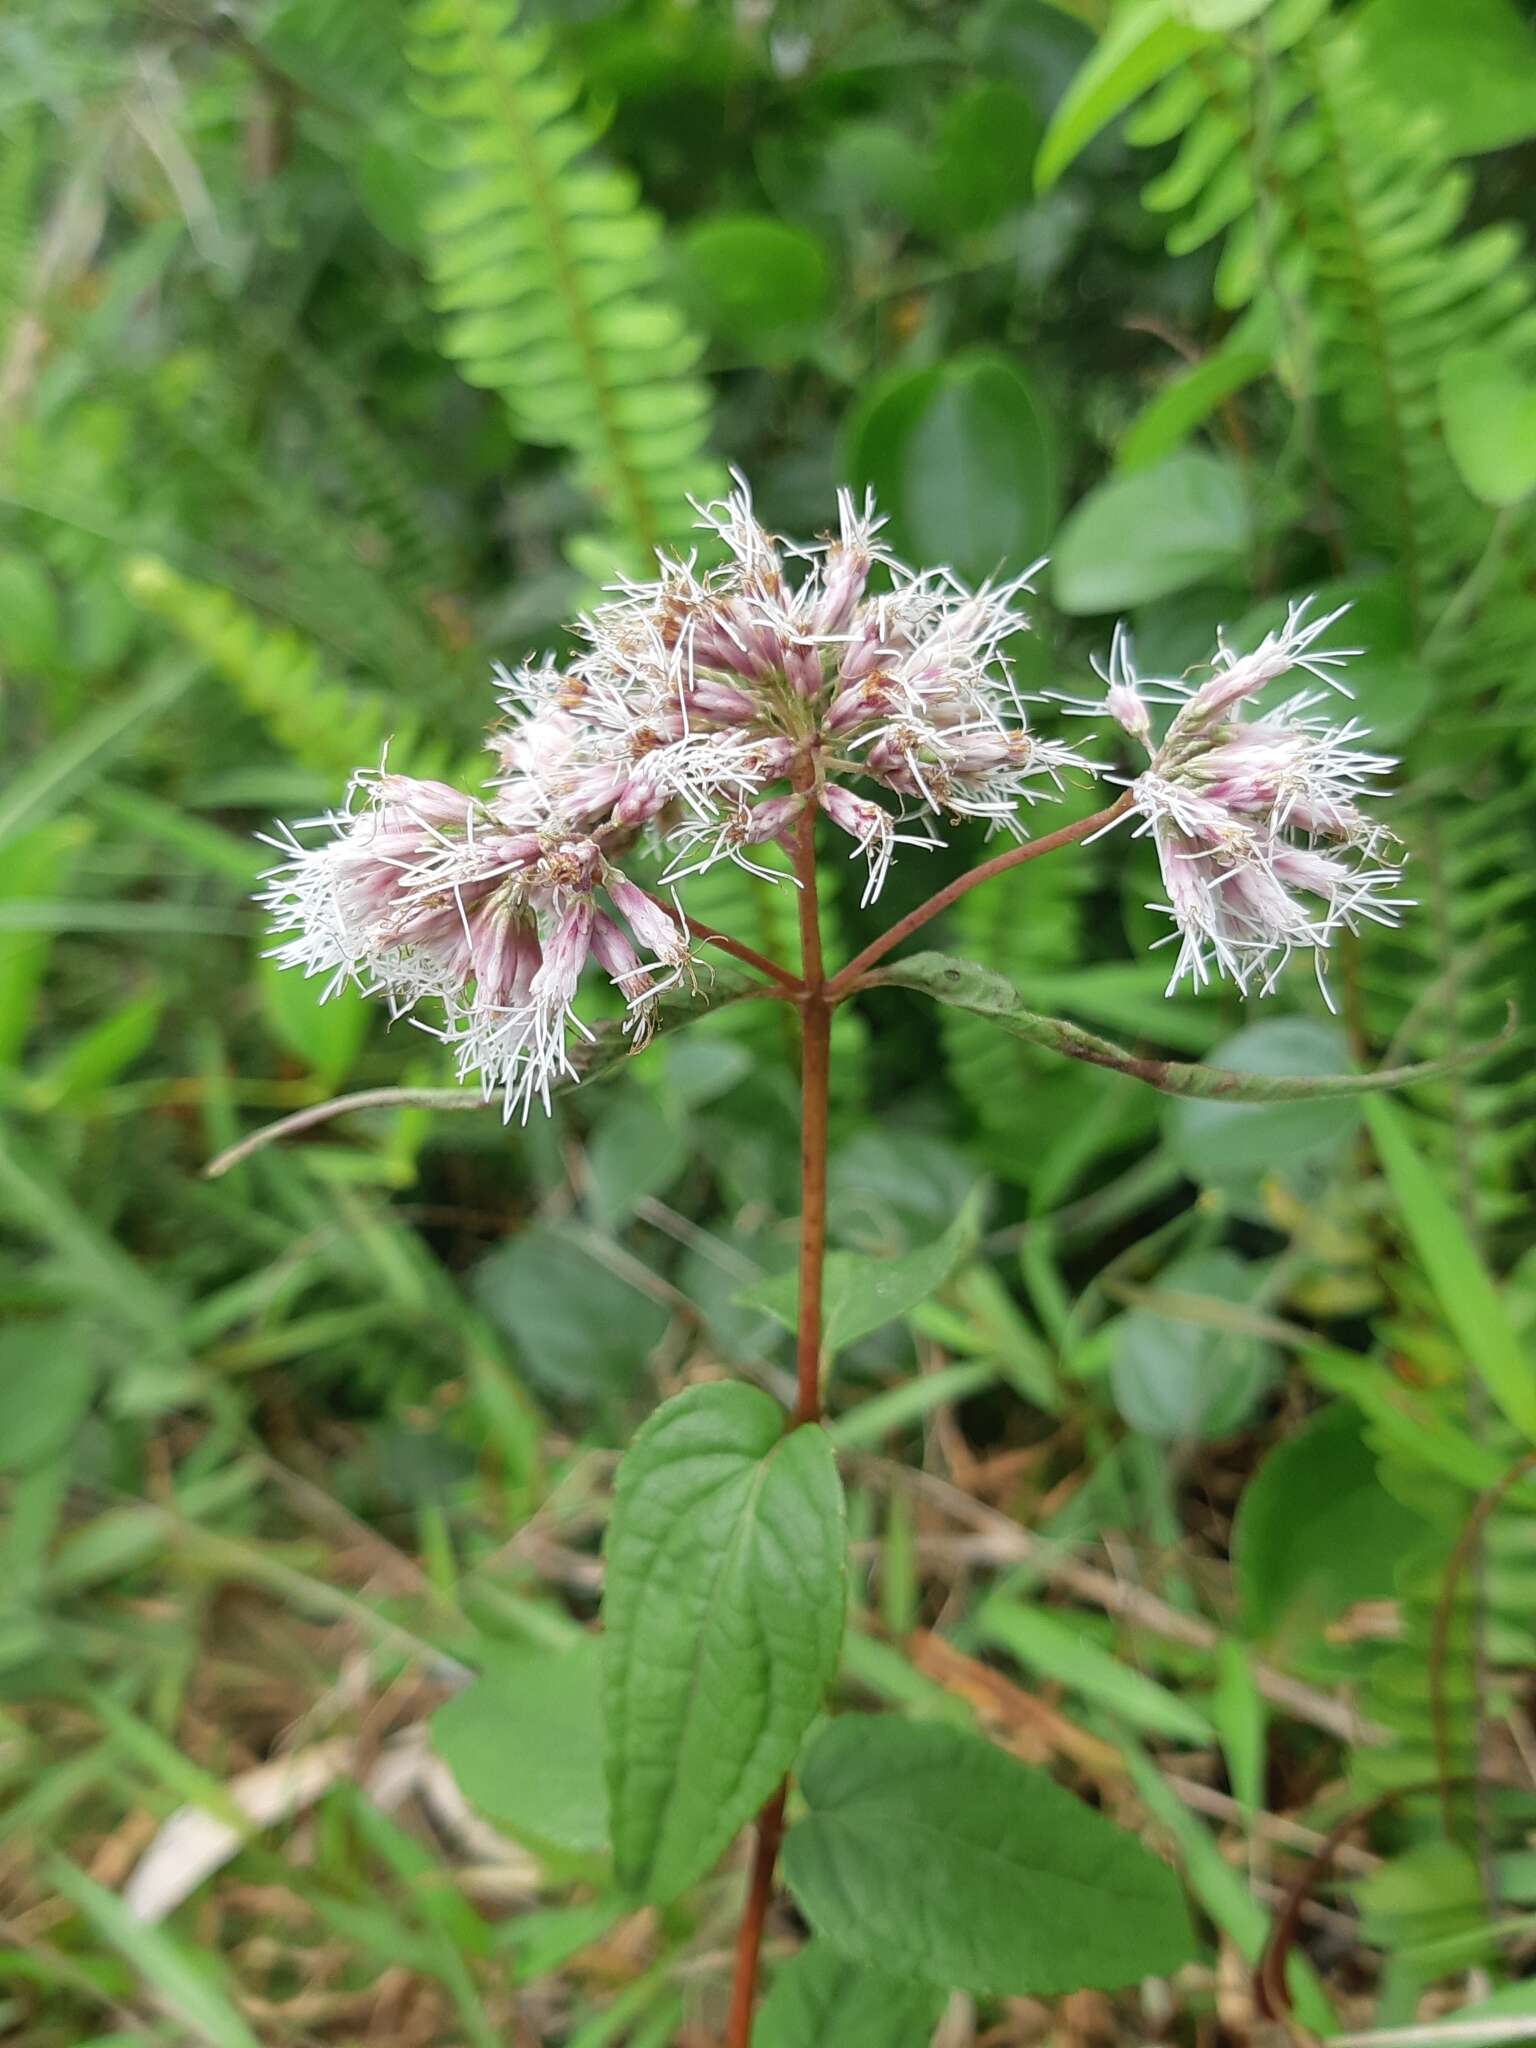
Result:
x=708 y=709
x=705 y=712
x=1262 y=844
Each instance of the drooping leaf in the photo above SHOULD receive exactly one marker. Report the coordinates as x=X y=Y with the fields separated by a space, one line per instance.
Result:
x=970 y=986
x=820 y=1998
x=1143 y=43
x=724 y=1611
x=860 y=1294
x=525 y=1744
x=1141 y=535
x=930 y=1847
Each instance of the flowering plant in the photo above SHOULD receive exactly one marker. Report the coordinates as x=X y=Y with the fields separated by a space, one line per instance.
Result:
x=710 y=714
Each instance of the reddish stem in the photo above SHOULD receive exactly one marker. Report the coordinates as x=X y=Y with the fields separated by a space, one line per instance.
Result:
x=749 y=1935
x=842 y=983
x=815 y=1067
x=747 y=955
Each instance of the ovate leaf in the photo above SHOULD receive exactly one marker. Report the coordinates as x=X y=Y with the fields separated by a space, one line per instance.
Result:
x=820 y=1998
x=724 y=1612
x=1142 y=535
x=861 y=1294
x=961 y=457
x=927 y=1846
x=1489 y=412
x=524 y=1742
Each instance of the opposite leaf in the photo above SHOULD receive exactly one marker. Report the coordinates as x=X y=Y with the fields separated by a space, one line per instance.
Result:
x=724 y=1614
x=820 y=1998
x=966 y=986
x=928 y=1848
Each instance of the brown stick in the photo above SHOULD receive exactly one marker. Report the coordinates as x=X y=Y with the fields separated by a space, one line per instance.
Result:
x=842 y=983
x=815 y=1067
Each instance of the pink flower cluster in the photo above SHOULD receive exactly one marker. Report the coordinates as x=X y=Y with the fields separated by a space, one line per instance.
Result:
x=704 y=713
x=1262 y=844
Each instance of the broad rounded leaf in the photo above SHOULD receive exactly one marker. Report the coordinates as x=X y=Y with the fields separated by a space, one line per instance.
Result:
x=578 y=1328
x=1489 y=411
x=820 y=1999
x=755 y=280
x=1316 y=1531
x=524 y=1742
x=926 y=1844
x=1141 y=535
x=961 y=458
x=724 y=1614
x=1473 y=65
x=1177 y=1376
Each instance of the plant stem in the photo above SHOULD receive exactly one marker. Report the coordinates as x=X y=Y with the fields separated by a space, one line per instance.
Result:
x=842 y=982
x=749 y=1935
x=815 y=1065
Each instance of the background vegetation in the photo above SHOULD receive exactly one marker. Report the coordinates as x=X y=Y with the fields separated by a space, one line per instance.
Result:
x=345 y=348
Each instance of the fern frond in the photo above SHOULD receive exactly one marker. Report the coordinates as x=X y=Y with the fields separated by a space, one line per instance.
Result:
x=546 y=268
x=326 y=724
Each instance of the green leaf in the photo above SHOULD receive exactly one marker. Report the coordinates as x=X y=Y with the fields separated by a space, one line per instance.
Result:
x=860 y=1294
x=1049 y=1646
x=983 y=144
x=578 y=1328
x=1217 y=1143
x=1176 y=1378
x=525 y=1744
x=757 y=281
x=189 y=1979
x=821 y=2000
x=928 y=1845
x=47 y=1378
x=968 y=986
x=326 y=1036
x=1167 y=421
x=1468 y=1299
x=1139 y=536
x=635 y=1150
x=1472 y=65
x=961 y=457
x=1143 y=43
x=724 y=1613
x=1489 y=412
x=1390 y=686
x=1315 y=1530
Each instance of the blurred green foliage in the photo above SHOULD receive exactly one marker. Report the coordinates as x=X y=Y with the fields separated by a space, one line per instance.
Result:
x=346 y=346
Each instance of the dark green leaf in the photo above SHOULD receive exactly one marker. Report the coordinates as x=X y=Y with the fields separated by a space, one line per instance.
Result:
x=757 y=281
x=1220 y=1142
x=724 y=1612
x=578 y=1328
x=821 y=2000
x=636 y=1149
x=928 y=1848
x=961 y=458
x=525 y=1744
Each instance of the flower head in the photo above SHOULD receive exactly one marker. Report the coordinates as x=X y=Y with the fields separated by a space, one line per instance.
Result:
x=1263 y=846
x=703 y=715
